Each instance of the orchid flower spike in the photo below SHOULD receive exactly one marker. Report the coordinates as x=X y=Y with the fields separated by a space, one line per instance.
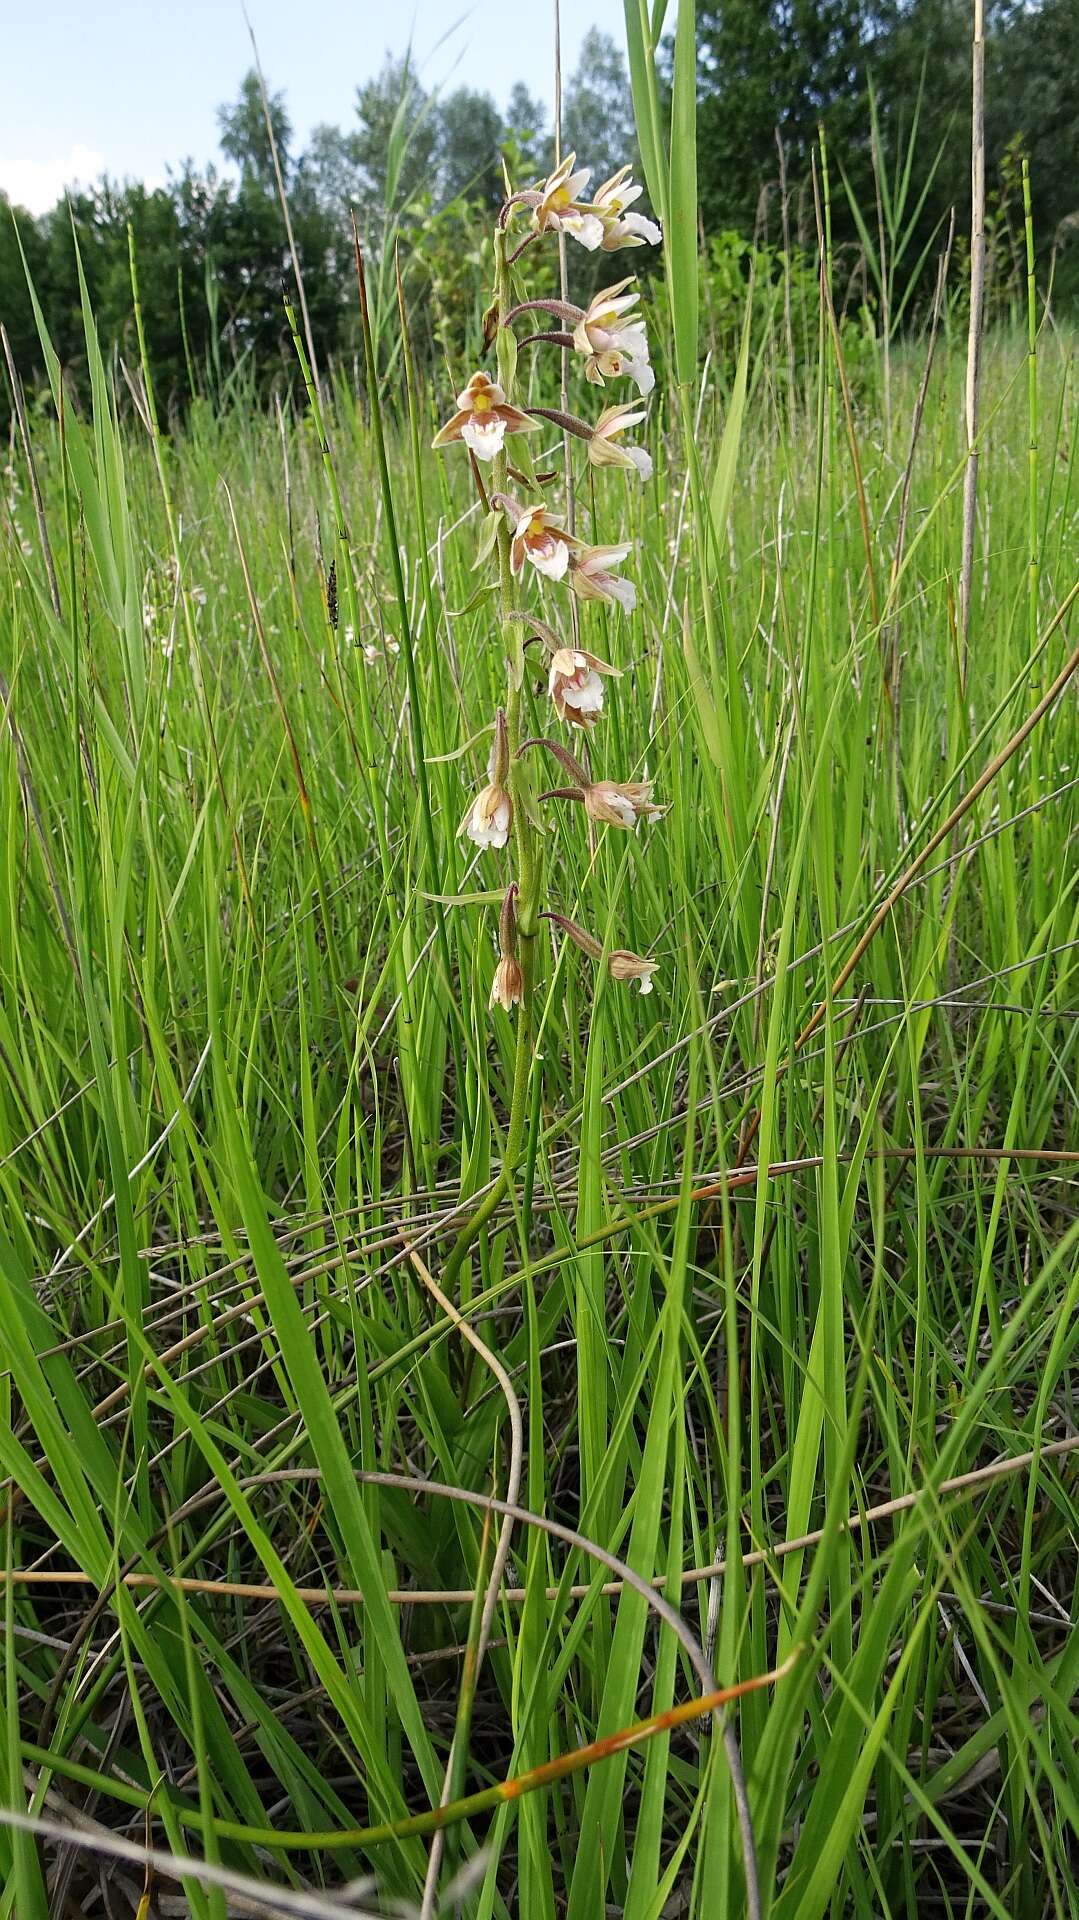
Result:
x=621 y=964
x=489 y=816
x=622 y=229
x=613 y=342
x=508 y=984
x=558 y=206
x=538 y=536
x=576 y=686
x=484 y=419
x=592 y=576
x=603 y=448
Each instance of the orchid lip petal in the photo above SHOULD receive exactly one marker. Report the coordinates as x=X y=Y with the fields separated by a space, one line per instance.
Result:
x=553 y=561
x=485 y=436
x=587 y=698
x=587 y=228
x=649 y=230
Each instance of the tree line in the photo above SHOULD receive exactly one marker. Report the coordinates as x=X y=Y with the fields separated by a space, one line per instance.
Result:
x=888 y=80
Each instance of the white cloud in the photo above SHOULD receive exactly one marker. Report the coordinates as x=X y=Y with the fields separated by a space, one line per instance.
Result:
x=39 y=184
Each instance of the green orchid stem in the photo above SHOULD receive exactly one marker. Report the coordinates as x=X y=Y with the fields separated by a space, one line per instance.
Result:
x=529 y=869
x=525 y=837
x=495 y=1194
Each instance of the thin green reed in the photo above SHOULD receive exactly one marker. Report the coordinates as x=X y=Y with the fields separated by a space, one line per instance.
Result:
x=346 y=586
x=416 y=1091
x=798 y=1343
x=1033 y=523
x=1033 y=504
x=431 y=1106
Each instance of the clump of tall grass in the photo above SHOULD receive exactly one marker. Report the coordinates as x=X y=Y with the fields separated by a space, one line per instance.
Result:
x=439 y=1373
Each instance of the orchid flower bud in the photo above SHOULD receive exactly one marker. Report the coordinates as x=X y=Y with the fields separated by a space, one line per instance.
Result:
x=586 y=941
x=489 y=816
x=508 y=984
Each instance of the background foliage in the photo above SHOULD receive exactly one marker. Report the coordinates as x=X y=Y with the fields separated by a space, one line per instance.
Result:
x=419 y=167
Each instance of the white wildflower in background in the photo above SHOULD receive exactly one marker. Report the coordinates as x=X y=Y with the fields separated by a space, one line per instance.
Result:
x=373 y=653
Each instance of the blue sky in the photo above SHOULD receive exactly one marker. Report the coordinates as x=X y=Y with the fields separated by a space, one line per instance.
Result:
x=129 y=86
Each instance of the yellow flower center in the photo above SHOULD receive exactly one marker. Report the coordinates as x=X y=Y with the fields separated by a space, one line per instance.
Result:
x=481 y=402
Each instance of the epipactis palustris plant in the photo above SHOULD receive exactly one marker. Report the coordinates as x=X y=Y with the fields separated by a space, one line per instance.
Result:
x=537 y=550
